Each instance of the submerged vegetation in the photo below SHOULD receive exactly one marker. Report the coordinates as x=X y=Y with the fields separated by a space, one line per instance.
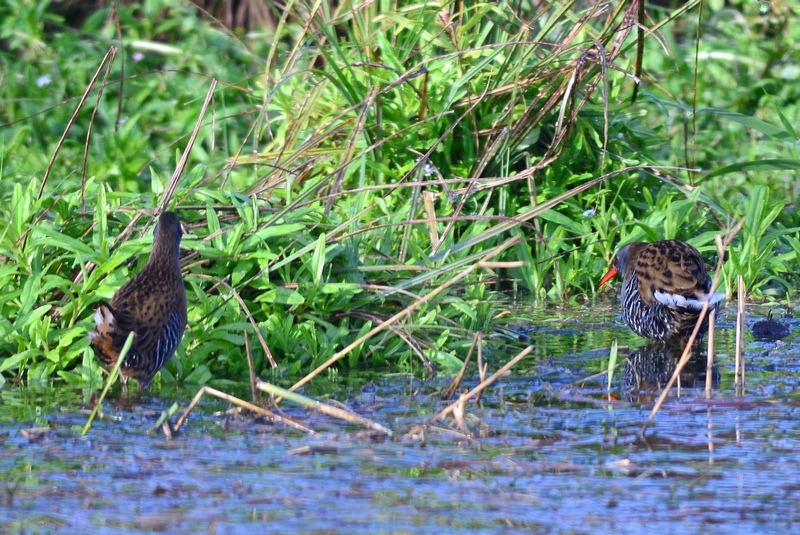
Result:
x=347 y=162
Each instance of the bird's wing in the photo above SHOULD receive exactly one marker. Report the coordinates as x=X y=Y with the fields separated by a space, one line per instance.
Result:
x=677 y=270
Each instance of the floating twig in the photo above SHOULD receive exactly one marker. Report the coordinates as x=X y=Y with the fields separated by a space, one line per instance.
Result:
x=241 y=403
x=465 y=397
x=324 y=408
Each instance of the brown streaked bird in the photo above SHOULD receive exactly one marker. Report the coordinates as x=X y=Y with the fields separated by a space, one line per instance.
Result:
x=664 y=287
x=152 y=305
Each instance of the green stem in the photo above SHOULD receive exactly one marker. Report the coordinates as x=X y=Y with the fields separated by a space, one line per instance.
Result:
x=111 y=378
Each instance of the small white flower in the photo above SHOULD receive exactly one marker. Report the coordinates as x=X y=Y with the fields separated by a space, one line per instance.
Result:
x=590 y=212
x=429 y=169
x=43 y=80
x=137 y=56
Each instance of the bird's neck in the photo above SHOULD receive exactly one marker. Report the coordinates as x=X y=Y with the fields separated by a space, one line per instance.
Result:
x=166 y=257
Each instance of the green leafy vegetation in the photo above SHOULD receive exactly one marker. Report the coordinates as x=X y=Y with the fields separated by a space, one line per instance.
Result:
x=355 y=159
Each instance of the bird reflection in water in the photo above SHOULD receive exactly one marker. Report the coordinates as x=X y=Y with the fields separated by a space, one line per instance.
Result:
x=649 y=368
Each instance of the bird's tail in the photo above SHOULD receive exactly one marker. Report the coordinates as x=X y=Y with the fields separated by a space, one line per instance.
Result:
x=680 y=301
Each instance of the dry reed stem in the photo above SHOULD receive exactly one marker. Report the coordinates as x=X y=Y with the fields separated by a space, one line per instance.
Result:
x=712 y=317
x=604 y=74
x=250 y=317
x=324 y=408
x=109 y=55
x=428 y=199
x=459 y=413
x=722 y=245
x=529 y=214
x=565 y=92
x=350 y=147
x=425 y=158
x=414 y=344
x=251 y=367
x=483 y=368
x=692 y=135
x=163 y=421
x=169 y=191
x=443 y=182
x=405 y=312
x=738 y=376
x=372 y=226
x=113 y=53
x=286 y=13
x=493 y=182
x=239 y=402
x=450 y=390
x=465 y=397
x=121 y=93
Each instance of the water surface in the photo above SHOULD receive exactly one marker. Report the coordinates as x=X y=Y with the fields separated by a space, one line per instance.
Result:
x=549 y=454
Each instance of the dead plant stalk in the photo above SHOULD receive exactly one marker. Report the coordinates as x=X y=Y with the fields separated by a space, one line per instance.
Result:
x=313 y=404
x=478 y=389
x=239 y=402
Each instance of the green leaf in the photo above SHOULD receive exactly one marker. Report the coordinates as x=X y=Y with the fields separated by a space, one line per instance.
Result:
x=333 y=288
x=272 y=231
x=62 y=241
x=759 y=165
x=318 y=260
x=13 y=362
x=214 y=227
x=199 y=376
x=281 y=296
x=749 y=121
x=612 y=364
x=156 y=183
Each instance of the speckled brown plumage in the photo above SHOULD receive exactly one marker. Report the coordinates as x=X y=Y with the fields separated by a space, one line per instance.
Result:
x=664 y=286
x=152 y=304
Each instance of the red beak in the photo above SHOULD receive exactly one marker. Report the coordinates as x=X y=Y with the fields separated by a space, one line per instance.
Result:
x=608 y=276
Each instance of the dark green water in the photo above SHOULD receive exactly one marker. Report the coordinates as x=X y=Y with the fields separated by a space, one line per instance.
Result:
x=549 y=455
